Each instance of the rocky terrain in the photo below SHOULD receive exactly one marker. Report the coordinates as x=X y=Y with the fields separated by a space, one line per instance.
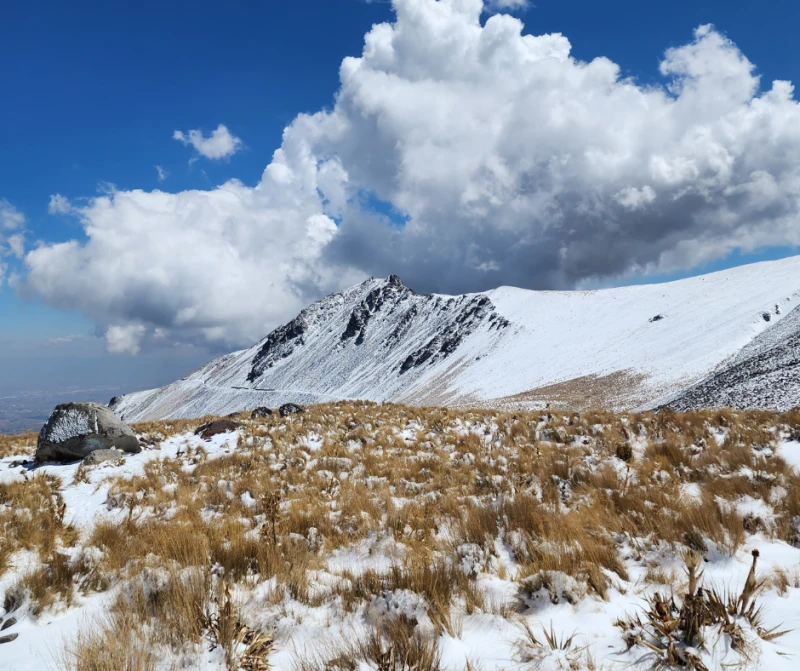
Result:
x=729 y=337
x=765 y=374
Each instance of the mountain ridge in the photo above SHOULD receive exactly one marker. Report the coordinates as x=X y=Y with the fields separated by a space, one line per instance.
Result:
x=633 y=347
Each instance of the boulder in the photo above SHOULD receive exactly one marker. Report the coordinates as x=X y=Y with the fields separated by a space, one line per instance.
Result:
x=216 y=427
x=75 y=430
x=291 y=409
x=260 y=412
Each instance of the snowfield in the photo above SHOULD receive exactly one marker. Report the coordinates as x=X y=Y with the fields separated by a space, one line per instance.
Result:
x=363 y=536
x=624 y=348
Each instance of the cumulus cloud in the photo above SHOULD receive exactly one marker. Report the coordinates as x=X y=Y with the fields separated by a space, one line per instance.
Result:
x=220 y=144
x=125 y=339
x=218 y=267
x=506 y=152
x=498 y=158
x=59 y=204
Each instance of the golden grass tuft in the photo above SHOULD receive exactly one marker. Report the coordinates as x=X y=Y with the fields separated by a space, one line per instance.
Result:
x=569 y=497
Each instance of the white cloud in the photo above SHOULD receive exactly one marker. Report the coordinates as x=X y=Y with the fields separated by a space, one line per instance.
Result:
x=505 y=152
x=59 y=204
x=633 y=198
x=162 y=174
x=509 y=161
x=12 y=237
x=10 y=217
x=220 y=144
x=16 y=245
x=507 y=5
x=218 y=267
x=125 y=339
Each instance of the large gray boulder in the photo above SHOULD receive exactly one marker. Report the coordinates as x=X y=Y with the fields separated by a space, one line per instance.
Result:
x=75 y=430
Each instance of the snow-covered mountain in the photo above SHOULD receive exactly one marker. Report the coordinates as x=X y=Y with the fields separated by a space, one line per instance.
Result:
x=725 y=338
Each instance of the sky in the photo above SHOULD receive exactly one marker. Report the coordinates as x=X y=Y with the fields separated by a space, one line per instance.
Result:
x=177 y=179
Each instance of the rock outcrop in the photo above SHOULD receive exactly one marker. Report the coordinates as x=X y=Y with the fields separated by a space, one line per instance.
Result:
x=75 y=430
x=216 y=427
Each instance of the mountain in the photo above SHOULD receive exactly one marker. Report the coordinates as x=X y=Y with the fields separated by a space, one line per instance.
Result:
x=764 y=375
x=722 y=338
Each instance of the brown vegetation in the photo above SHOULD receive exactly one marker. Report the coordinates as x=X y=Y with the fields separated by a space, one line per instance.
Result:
x=564 y=492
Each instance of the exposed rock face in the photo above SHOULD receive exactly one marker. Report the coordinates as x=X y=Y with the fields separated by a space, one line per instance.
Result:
x=210 y=429
x=764 y=375
x=75 y=430
x=291 y=409
x=465 y=314
x=279 y=345
x=260 y=412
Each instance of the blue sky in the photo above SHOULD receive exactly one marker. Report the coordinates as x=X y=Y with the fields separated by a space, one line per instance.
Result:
x=93 y=92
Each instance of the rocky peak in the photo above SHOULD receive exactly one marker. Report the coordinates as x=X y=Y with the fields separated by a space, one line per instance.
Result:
x=386 y=296
x=395 y=281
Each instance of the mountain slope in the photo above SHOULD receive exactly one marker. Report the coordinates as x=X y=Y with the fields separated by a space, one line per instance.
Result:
x=764 y=375
x=627 y=347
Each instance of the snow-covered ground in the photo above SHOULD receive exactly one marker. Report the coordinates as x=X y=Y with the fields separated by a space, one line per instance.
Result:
x=40 y=641
x=391 y=490
x=626 y=347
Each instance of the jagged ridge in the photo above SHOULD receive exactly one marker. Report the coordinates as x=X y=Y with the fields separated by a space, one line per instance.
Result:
x=638 y=346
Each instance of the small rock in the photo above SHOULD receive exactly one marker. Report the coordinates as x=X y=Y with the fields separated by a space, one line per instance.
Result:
x=657 y=318
x=260 y=412
x=10 y=622
x=8 y=639
x=291 y=409
x=216 y=427
x=99 y=456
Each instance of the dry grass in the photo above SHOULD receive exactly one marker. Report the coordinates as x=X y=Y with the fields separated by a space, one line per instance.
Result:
x=563 y=493
x=32 y=518
x=113 y=644
x=22 y=445
x=394 y=644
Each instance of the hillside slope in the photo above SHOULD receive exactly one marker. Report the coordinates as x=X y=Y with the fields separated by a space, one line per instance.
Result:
x=626 y=347
x=765 y=375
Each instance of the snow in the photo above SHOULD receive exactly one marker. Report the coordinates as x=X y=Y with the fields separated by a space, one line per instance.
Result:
x=70 y=423
x=483 y=348
x=488 y=640
x=790 y=451
x=40 y=641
